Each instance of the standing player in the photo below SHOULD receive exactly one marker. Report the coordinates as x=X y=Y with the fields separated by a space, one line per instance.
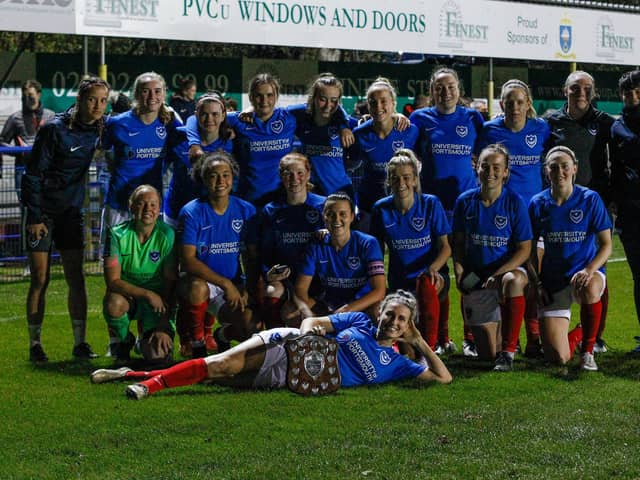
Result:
x=321 y=128
x=183 y=101
x=140 y=274
x=53 y=197
x=377 y=140
x=140 y=139
x=586 y=130
x=214 y=232
x=415 y=228
x=214 y=135
x=348 y=264
x=261 y=143
x=625 y=176
x=575 y=227
x=365 y=354
x=491 y=242
x=447 y=135
x=286 y=227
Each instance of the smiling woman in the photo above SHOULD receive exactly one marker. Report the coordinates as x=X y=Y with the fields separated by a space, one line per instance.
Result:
x=365 y=354
x=53 y=192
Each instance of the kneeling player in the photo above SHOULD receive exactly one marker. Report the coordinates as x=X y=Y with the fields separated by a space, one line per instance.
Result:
x=140 y=273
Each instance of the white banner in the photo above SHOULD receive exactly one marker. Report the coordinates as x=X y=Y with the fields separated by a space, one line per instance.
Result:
x=484 y=28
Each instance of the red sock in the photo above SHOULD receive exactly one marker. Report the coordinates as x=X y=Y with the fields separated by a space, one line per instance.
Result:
x=209 y=320
x=590 y=319
x=184 y=373
x=605 y=308
x=196 y=320
x=443 y=320
x=531 y=323
x=574 y=337
x=272 y=309
x=429 y=309
x=513 y=313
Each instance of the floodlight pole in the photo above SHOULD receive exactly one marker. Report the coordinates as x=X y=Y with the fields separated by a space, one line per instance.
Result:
x=85 y=56
x=102 y=68
x=490 y=89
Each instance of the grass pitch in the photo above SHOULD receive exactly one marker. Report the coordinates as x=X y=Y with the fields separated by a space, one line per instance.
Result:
x=535 y=422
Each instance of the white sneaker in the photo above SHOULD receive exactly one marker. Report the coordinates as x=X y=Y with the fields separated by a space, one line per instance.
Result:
x=588 y=362
x=469 y=349
x=137 y=391
x=504 y=362
x=105 y=375
x=439 y=350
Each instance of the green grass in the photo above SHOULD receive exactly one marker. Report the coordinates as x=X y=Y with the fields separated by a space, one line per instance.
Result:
x=532 y=423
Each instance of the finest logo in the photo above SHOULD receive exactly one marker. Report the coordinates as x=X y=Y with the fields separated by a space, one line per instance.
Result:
x=454 y=31
x=576 y=215
x=608 y=43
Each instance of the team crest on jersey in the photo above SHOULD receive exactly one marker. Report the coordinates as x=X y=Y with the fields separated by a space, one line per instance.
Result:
x=354 y=263
x=592 y=128
x=277 y=126
x=203 y=249
x=385 y=359
x=312 y=216
x=418 y=223
x=237 y=225
x=333 y=132
x=531 y=140
x=154 y=256
x=462 y=131
x=275 y=338
x=161 y=131
x=576 y=215
x=343 y=336
x=500 y=221
x=397 y=145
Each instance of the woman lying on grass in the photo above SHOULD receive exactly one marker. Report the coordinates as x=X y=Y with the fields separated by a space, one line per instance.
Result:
x=365 y=354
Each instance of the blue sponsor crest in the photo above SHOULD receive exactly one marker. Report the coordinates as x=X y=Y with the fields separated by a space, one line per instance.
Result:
x=277 y=126
x=566 y=37
x=397 y=145
x=237 y=225
x=418 y=223
x=576 y=215
x=354 y=263
x=312 y=216
x=531 y=140
x=154 y=256
x=385 y=358
x=500 y=221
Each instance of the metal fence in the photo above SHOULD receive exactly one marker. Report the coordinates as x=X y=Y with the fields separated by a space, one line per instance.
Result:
x=14 y=265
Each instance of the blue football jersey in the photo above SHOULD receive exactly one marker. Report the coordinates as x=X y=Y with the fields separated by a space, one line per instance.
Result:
x=375 y=153
x=362 y=361
x=219 y=239
x=344 y=274
x=445 y=146
x=569 y=232
x=492 y=233
x=411 y=237
x=526 y=152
